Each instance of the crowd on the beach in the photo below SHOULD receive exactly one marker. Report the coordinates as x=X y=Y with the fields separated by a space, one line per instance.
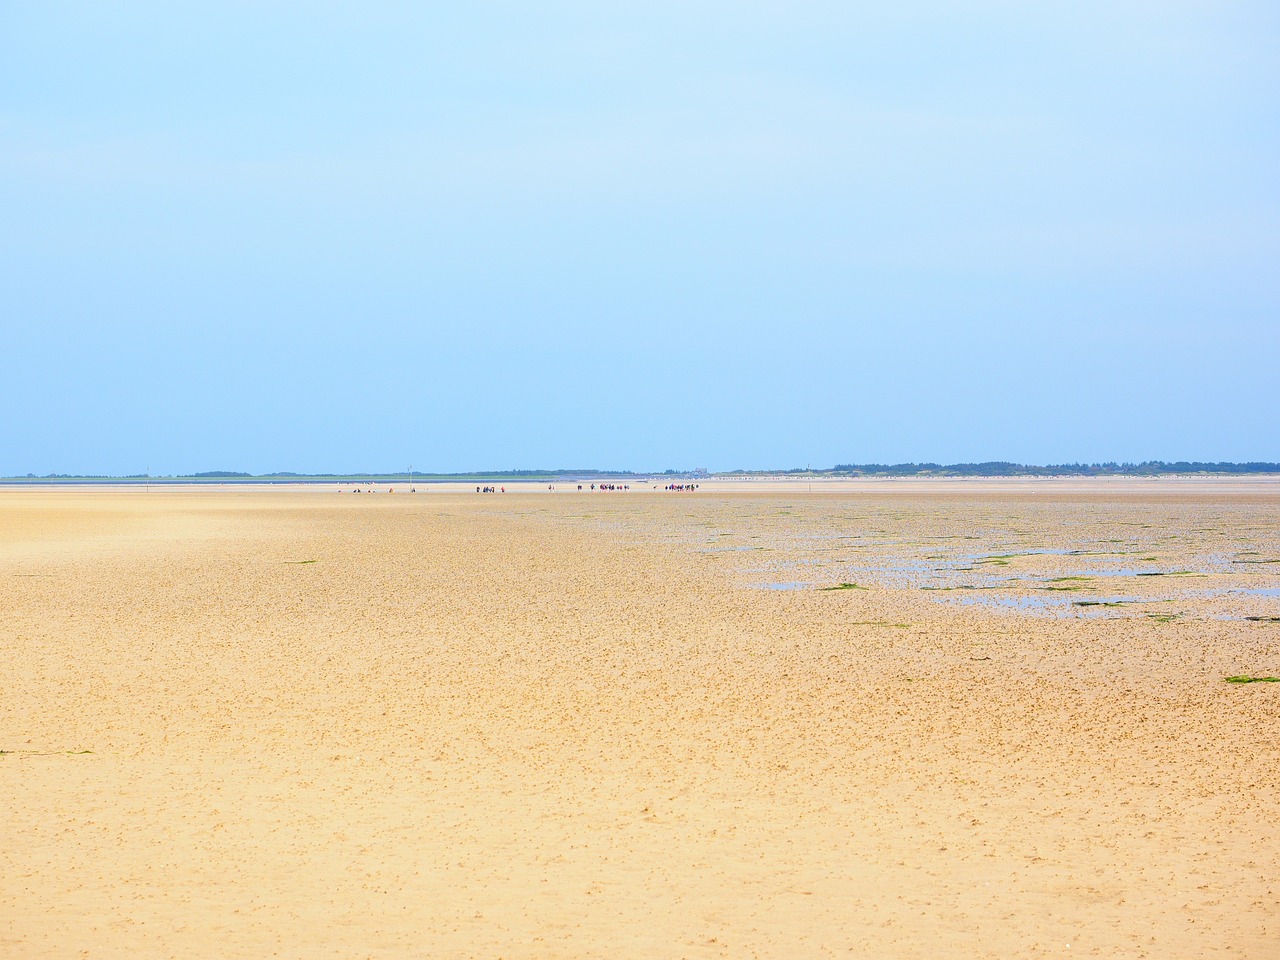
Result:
x=603 y=487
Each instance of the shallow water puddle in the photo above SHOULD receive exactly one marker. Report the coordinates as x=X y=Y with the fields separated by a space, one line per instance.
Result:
x=1054 y=604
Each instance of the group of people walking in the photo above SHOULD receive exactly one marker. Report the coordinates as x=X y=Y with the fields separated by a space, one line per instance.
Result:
x=606 y=487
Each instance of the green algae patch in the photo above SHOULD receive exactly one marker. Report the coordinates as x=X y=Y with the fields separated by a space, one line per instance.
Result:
x=1253 y=679
x=843 y=586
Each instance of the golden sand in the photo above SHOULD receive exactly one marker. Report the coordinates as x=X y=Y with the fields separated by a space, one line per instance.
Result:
x=541 y=725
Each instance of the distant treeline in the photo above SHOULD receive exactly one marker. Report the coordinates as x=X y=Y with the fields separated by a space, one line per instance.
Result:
x=374 y=476
x=1001 y=468
x=993 y=468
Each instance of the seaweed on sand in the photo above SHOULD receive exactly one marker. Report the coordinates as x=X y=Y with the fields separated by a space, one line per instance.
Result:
x=1253 y=679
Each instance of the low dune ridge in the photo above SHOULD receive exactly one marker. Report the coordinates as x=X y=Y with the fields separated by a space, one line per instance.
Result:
x=295 y=722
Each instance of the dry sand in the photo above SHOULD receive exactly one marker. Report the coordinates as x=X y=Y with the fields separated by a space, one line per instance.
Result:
x=571 y=725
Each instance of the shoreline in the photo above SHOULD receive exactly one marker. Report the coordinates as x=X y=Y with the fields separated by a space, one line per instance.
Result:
x=1222 y=483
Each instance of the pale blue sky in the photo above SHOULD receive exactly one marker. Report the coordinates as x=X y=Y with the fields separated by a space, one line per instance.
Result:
x=323 y=236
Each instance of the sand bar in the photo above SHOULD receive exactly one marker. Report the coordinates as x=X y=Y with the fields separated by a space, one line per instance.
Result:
x=550 y=724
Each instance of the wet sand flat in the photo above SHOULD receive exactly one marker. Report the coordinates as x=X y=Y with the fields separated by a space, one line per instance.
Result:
x=298 y=723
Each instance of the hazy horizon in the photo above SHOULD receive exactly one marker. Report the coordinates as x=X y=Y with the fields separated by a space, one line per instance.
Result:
x=1121 y=467
x=251 y=235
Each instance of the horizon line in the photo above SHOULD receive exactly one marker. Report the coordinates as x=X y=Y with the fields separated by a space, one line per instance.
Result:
x=989 y=468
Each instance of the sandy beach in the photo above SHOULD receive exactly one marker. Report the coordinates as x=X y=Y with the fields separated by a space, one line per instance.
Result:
x=294 y=722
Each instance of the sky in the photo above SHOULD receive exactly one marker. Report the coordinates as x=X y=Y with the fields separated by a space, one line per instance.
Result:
x=344 y=237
